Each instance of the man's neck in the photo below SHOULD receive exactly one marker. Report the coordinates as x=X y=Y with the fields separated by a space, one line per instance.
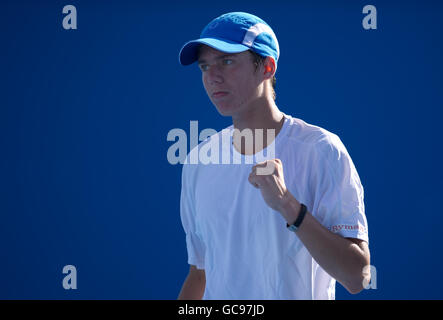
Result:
x=263 y=115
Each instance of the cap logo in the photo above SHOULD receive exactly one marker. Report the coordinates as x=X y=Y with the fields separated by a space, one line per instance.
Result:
x=213 y=25
x=255 y=30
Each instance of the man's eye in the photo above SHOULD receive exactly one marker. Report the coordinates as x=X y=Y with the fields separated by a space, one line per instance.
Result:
x=227 y=61
x=203 y=67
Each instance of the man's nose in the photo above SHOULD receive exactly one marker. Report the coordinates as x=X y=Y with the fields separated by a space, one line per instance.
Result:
x=214 y=75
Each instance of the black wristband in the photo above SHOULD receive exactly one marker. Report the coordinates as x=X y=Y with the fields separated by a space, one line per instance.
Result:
x=299 y=220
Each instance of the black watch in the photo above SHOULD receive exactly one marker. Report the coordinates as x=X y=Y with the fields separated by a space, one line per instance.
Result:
x=293 y=227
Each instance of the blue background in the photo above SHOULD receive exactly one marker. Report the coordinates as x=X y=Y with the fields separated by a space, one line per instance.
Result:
x=84 y=115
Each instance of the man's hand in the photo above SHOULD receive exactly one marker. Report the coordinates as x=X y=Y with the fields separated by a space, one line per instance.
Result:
x=268 y=177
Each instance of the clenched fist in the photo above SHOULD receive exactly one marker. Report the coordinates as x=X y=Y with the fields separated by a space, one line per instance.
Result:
x=268 y=177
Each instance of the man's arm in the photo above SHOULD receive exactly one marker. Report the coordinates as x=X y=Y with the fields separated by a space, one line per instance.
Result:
x=194 y=286
x=342 y=258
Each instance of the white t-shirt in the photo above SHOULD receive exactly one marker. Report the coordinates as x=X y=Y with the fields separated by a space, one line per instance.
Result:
x=243 y=245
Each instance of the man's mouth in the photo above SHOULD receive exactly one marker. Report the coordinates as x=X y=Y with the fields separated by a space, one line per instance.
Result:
x=219 y=94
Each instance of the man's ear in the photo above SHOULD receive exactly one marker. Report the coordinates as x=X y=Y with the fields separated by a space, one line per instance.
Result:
x=270 y=67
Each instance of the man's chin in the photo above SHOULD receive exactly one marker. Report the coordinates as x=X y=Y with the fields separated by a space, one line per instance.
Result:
x=226 y=111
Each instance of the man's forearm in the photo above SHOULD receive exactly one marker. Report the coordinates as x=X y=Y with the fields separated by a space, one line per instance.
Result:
x=193 y=288
x=341 y=258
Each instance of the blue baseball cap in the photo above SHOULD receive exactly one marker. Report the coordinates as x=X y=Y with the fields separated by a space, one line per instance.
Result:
x=234 y=32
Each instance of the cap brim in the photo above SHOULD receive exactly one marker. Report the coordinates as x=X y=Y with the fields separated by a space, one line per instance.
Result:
x=188 y=53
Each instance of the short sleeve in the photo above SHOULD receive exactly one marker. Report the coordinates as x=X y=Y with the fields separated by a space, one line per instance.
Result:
x=338 y=201
x=194 y=244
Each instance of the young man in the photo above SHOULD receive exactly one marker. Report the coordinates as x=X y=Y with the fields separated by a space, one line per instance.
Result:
x=289 y=231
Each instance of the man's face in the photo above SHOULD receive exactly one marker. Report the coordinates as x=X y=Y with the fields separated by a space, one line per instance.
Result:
x=230 y=80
